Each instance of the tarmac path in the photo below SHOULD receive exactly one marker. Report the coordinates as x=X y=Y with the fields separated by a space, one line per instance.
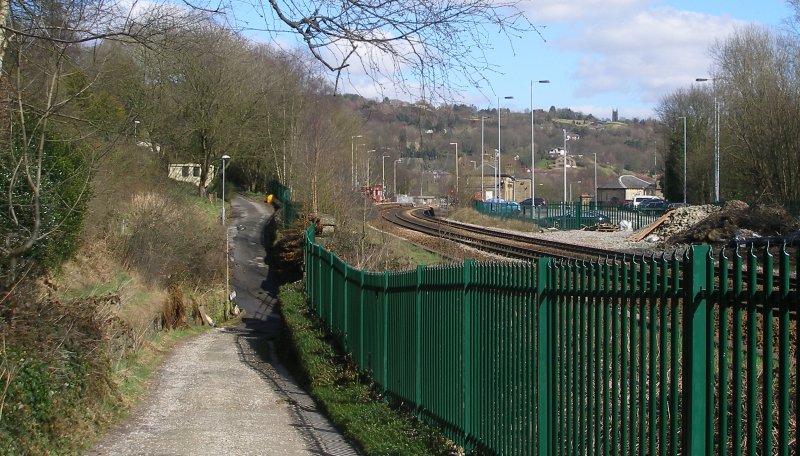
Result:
x=218 y=393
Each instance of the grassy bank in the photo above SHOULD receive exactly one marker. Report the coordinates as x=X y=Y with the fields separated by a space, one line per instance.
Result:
x=352 y=405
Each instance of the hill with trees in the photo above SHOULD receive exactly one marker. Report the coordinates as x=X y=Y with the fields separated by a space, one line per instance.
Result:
x=421 y=136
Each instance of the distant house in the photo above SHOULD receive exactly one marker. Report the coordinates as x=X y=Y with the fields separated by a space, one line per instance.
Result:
x=625 y=188
x=190 y=172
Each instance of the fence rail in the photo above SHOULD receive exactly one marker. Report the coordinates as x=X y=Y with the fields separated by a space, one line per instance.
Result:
x=663 y=355
x=569 y=216
x=575 y=215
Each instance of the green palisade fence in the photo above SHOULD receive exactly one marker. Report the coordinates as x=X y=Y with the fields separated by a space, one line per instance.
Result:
x=289 y=208
x=663 y=355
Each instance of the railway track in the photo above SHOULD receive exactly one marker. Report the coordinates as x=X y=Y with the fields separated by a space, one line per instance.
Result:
x=509 y=245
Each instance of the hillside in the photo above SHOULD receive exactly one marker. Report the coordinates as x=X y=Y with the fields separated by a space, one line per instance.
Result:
x=404 y=130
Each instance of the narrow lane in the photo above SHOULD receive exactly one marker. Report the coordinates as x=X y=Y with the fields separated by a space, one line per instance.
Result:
x=222 y=392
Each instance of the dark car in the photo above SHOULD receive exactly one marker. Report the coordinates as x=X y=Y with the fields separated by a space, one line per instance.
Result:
x=654 y=205
x=570 y=220
x=527 y=202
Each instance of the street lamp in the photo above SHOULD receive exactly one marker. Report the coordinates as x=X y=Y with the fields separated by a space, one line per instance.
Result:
x=533 y=156
x=498 y=141
x=456 y=144
x=595 y=181
x=353 y=160
x=356 y=167
x=224 y=226
x=483 y=149
x=135 y=125
x=367 y=178
x=565 y=164
x=684 y=158
x=395 y=177
x=383 y=171
x=716 y=135
x=224 y=157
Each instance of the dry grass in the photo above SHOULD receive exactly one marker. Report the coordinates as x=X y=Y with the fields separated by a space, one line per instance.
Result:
x=468 y=215
x=74 y=347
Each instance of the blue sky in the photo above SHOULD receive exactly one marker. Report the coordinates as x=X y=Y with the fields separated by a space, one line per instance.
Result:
x=606 y=54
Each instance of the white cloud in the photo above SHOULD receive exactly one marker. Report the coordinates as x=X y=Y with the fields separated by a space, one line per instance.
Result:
x=549 y=11
x=650 y=53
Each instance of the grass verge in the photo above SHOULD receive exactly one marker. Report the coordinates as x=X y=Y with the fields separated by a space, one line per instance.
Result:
x=469 y=215
x=353 y=406
x=404 y=254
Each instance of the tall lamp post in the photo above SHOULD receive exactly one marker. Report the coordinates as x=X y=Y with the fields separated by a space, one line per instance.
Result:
x=716 y=135
x=565 y=164
x=225 y=227
x=135 y=125
x=395 y=176
x=533 y=155
x=684 y=158
x=353 y=160
x=498 y=142
x=224 y=158
x=595 y=180
x=483 y=148
x=383 y=171
x=456 y=144
x=367 y=177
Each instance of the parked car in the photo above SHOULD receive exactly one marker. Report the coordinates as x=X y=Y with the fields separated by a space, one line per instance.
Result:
x=641 y=199
x=654 y=205
x=527 y=202
x=572 y=220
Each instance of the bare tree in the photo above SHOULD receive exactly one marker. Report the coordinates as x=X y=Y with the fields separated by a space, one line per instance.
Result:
x=418 y=46
x=696 y=104
x=757 y=83
x=53 y=112
x=204 y=101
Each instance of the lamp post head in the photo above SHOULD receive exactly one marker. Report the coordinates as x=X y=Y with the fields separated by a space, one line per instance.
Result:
x=356 y=136
x=701 y=79
x=544 y=81
x=226 y=157
x=509 y=97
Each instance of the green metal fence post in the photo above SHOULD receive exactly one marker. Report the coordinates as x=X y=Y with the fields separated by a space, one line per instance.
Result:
x=544 y=346
x=695 y=375
x=418 y=336
x=330 y=290
x=308 y=265
x=468 y=268
x=361 y=297
x=346 y=308
x=385 y=360
x=318 y=271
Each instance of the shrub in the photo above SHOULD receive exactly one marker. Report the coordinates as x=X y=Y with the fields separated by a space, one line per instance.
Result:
x=57 y=203
x=165 y=237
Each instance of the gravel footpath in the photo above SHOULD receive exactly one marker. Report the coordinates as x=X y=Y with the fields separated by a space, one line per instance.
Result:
x=218 y=393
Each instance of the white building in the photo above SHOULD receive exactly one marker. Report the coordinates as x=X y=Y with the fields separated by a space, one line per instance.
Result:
x=190 y=172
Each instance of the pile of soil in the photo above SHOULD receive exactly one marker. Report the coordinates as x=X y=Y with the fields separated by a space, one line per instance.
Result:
x=735 y=221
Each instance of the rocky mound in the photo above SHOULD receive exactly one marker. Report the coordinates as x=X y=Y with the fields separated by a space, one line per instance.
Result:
x=736 y=220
